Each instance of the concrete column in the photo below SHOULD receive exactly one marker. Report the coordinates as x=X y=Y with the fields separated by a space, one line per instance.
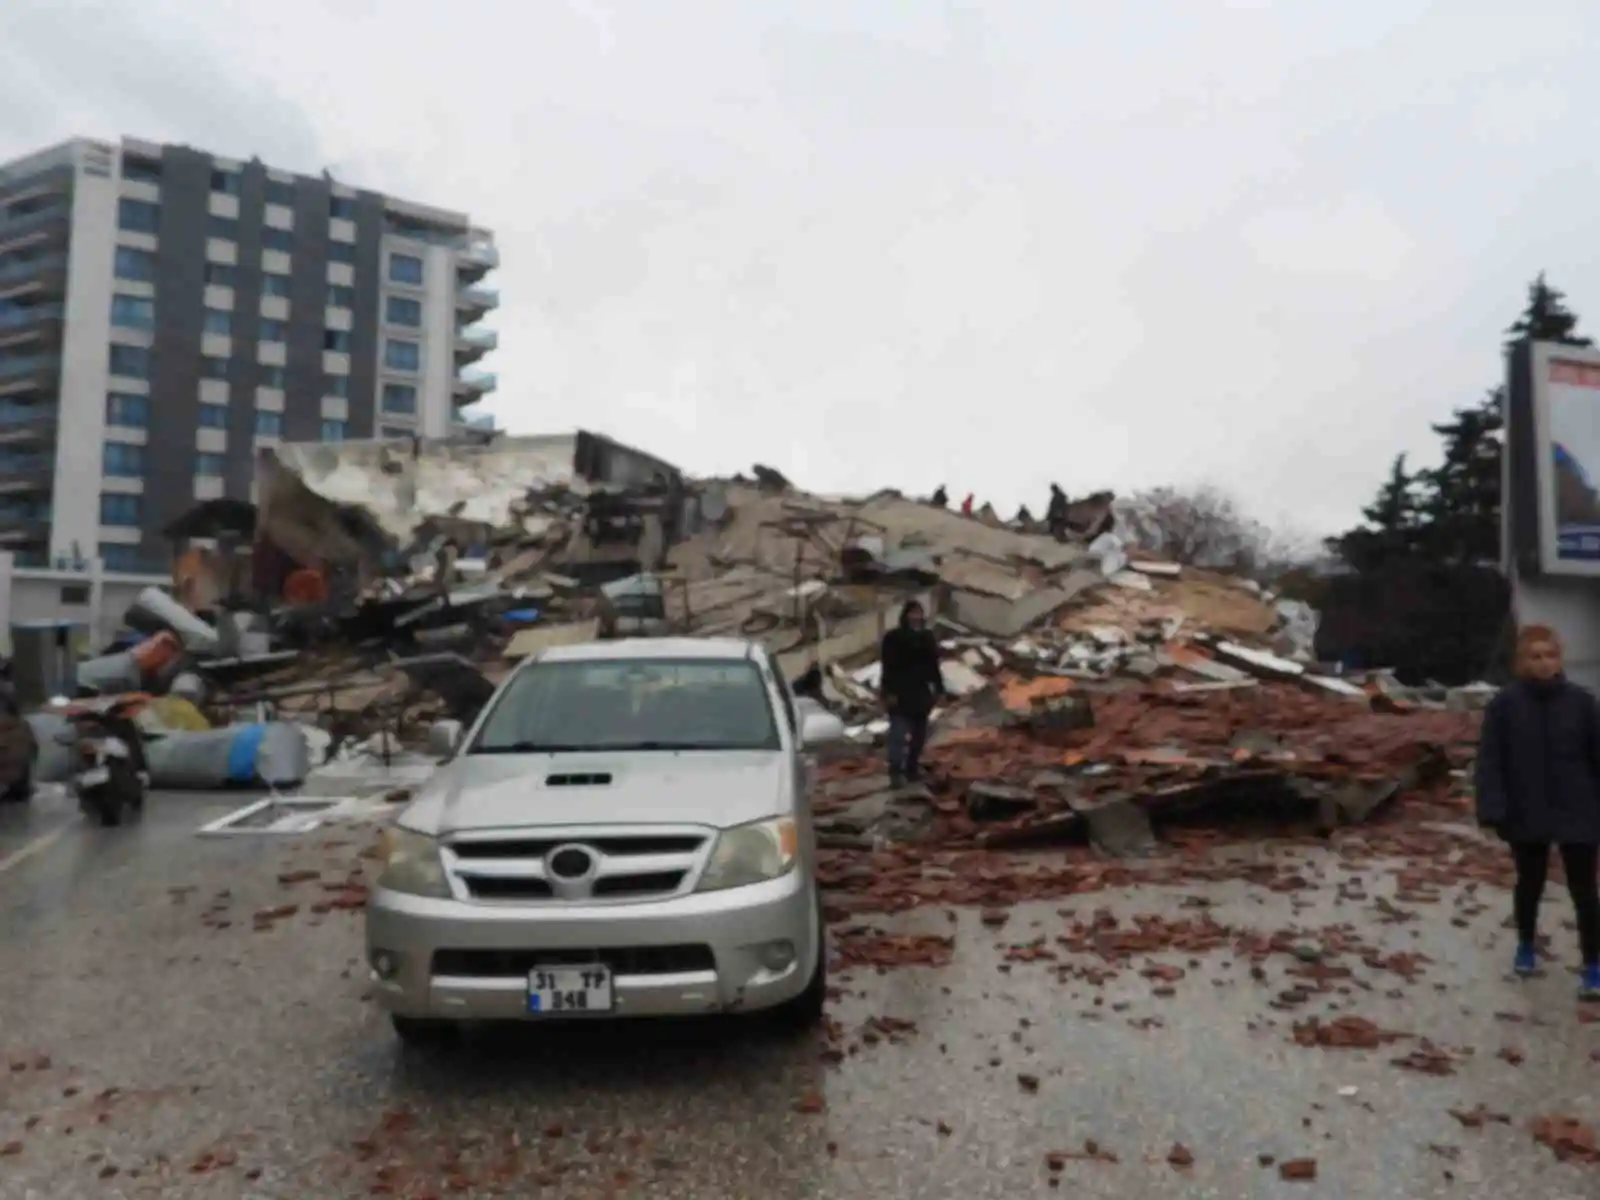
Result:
x=7 y=566
x=97 y=597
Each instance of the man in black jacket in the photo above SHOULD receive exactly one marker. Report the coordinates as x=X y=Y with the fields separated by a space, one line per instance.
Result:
x=909 y=681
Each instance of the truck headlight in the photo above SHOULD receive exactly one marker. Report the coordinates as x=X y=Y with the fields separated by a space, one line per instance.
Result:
x=752 y=853
x=411 y=864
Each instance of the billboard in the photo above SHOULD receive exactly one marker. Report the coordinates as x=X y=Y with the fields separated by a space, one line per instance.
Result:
x=1566 y=424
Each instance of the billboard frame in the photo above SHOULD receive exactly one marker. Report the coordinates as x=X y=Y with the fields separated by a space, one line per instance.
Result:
x=1540 y=356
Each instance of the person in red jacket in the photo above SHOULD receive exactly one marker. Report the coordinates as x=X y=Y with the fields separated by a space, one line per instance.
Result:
x=966 y=506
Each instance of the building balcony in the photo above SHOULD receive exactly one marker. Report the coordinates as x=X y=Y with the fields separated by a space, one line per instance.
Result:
x=473 y=385
x=23 y=325
x=26 y=473
x=477 y=299
x=47 y=224
x=28 y=372
x=25 y=423
x=31 y=274
x=23 y=524
x=472 y=344
x=476 y=259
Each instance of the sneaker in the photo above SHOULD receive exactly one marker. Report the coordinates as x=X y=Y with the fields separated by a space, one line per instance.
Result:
x=1589 y=988
x=896 y=779
x=1526 y=961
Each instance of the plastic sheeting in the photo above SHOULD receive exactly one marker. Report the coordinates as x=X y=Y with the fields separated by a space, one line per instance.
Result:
x=111 y=674
x=274 y=753
x=1298 y=628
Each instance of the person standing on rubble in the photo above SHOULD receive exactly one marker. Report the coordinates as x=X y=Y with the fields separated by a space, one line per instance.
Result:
x=1055 y=515
x=1538 y=785
x=910 y=681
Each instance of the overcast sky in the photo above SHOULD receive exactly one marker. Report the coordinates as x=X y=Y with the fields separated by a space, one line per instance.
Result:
x=903 y=242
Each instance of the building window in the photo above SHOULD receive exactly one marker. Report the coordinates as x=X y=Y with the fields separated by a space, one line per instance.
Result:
x=402 y=356
x=117 y=557
x=136 y=265
x=138 y=216
x=342 y=207
x=127 y=410
x=341 y=252
x=221 y=275
x=122 y=459
x=336 y=385
x=226 y=182
x=226 y=228
x=218 y=321
x=341 y=297
x=141 y=170
x=131 y=362
x=272 y=377
x=208 y=464
x=405 y=268
x=213 y=416
x=336 y=339
x=277 y=239
x=400 y=398
x=118 y=509
x=333 y=431
x=212 y=367
x=273 y=331
x=280 y=193
x=269 y=424
x=133 y=312
x=402 y=310
x=274 y=285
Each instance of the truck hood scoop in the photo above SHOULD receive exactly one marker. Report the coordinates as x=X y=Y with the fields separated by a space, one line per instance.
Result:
x=579 y=779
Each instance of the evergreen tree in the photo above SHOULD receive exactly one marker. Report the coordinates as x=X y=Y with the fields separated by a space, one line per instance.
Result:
x=1455 y=507
x=1460 y=505
x=1390 y=527
x=1547 y=318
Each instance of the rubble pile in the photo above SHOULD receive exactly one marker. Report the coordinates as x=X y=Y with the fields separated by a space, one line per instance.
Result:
x=1093 y=690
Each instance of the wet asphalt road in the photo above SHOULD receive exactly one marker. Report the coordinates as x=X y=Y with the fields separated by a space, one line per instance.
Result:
x=152 y=1053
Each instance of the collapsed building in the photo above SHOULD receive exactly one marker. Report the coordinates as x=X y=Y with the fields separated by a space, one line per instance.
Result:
x=374 y=587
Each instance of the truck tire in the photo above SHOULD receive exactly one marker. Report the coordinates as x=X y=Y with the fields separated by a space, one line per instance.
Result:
x=805 y=1011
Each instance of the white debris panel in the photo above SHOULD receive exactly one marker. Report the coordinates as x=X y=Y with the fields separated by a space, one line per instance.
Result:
x=401 y=485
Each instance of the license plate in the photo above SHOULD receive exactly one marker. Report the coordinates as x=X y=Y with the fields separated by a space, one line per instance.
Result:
x=94 y=777
x=559 y=991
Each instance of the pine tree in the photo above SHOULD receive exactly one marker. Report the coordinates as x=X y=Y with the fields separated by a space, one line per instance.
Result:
x=1390 y=527
x=1547 y=318
x=1460 y=506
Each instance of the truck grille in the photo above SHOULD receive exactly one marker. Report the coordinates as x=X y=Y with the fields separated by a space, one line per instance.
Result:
x=575 y=865
x=623 y=960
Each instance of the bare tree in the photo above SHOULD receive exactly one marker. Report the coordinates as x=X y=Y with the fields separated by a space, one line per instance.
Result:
x=1199 y=527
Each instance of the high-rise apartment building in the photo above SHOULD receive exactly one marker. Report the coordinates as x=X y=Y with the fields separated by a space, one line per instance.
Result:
x=164 y=312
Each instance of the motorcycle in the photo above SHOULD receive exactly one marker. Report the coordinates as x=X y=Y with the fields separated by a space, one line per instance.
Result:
x=110 y=775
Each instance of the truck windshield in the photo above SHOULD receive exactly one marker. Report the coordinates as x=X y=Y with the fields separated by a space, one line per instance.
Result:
x=631 y=704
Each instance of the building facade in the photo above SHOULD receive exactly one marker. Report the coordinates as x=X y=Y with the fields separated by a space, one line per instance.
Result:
x=164 y=312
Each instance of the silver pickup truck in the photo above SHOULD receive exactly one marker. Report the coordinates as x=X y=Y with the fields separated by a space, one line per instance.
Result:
x=624 y=831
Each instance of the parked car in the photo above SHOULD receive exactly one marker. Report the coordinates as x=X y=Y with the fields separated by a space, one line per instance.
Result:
x=624 y=831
